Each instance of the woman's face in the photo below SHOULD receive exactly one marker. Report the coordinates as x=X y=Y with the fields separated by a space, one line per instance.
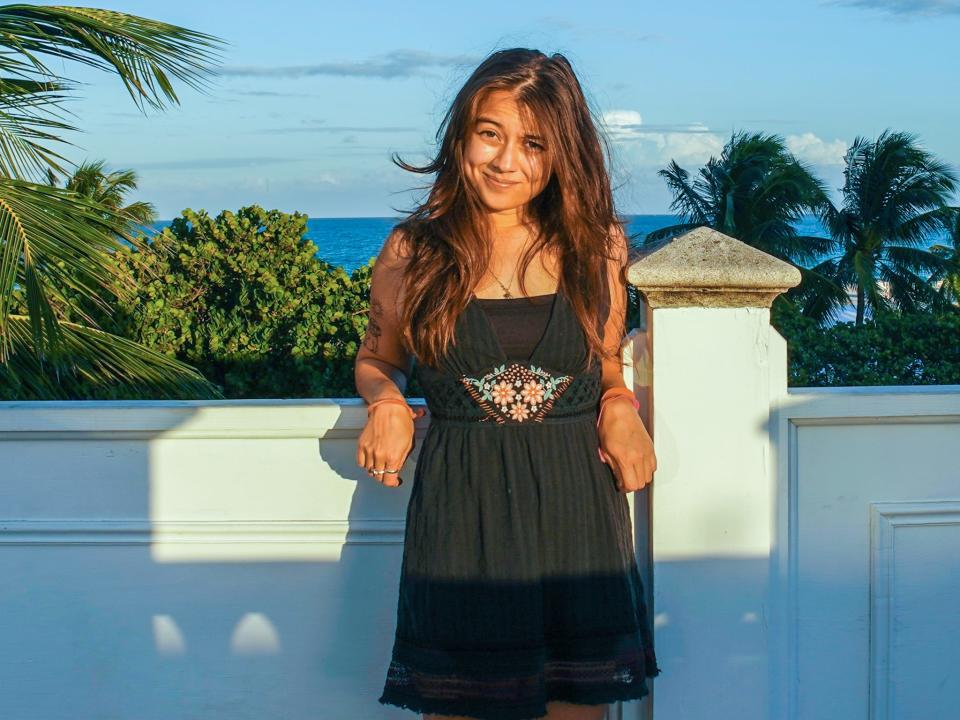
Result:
x=505 y=161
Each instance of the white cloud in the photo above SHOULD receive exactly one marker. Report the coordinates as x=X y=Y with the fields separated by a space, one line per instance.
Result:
x=692 y=144
x=809 y=148
x=622 y=124
x=686 y=148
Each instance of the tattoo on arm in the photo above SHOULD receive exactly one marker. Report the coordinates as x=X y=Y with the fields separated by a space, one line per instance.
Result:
x=372 y=337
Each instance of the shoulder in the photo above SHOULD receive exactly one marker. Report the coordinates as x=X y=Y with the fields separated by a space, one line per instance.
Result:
x=618 y=242
x=398 y=246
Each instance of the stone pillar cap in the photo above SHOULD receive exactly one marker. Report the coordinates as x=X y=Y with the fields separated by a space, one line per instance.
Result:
x=705 y=268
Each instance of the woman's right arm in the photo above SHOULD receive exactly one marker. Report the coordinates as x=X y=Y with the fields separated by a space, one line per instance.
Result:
x=382 y=368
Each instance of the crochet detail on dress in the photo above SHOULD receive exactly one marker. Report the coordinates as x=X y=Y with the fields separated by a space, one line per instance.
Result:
x=516 y=392
x=512 y=697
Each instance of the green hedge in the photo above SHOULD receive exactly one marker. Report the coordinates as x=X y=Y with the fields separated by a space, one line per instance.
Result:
x=891 y=349
x=243 y=298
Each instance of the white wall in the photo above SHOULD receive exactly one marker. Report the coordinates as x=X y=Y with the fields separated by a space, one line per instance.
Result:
x=717 y=371
x=867 y=553
x=229 y=559
x=193 y=560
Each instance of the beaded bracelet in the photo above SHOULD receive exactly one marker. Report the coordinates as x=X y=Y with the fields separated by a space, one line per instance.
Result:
x=419 y=412
x=617 y=390
x=610 y=394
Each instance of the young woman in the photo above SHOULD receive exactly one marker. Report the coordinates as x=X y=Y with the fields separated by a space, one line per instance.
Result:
x=520 y=595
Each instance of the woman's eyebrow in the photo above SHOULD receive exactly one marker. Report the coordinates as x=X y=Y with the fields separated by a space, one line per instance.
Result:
x=529 y=136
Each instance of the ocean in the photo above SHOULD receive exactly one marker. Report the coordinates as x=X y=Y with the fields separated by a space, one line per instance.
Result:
x=351 y=242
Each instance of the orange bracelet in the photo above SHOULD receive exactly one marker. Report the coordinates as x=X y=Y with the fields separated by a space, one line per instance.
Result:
x=616 y=390
x=419 y=412
x=610 y=394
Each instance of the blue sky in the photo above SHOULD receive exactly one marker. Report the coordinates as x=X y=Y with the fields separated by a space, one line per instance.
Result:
x=313 y=97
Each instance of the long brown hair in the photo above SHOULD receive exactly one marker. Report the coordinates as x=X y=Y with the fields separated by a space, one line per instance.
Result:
x=447 y=235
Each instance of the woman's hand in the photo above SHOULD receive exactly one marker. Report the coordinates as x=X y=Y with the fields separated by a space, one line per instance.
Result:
x=385 y=442
x=626 y=445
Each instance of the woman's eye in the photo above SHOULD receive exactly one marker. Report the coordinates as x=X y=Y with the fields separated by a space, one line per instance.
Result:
x=492 y=134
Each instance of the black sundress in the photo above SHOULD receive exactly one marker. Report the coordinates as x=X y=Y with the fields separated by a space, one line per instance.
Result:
x=518 y=583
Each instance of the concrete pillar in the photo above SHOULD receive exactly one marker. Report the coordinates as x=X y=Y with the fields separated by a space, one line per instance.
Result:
x=710 y=367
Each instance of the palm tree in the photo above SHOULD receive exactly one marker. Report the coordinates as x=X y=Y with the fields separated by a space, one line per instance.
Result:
x=949 y=276
x=757 y=192
x=108 y=189
x=895 y=195
x=55 y=243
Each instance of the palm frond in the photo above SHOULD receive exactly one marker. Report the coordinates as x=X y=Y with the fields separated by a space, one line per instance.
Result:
x=93 y=363
x=686 y=202
x=908 y=292
x=140 y=50
x=907 y=259
x=917 y=229
x=820 y=297
x=807 y=248
x=52 y=240
x=665 y=233
x=27 y=113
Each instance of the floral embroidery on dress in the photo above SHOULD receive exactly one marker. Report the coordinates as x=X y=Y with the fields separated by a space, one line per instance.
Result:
x=516 y=392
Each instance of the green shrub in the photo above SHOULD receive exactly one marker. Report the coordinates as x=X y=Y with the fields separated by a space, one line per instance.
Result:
x=244 y=299
x=890 y=349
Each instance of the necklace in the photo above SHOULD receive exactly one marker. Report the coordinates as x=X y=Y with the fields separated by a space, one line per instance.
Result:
x=506 y=290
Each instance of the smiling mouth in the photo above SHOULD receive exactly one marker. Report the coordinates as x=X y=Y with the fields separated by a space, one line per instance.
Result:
x=497 y=183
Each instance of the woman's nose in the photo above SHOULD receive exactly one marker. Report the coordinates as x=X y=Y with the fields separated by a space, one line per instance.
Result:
x=506 y=158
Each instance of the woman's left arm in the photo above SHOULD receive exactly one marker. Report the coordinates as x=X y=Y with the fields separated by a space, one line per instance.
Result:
x=624 y=440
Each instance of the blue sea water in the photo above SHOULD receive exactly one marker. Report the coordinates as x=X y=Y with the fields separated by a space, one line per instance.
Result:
x=351 y=242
